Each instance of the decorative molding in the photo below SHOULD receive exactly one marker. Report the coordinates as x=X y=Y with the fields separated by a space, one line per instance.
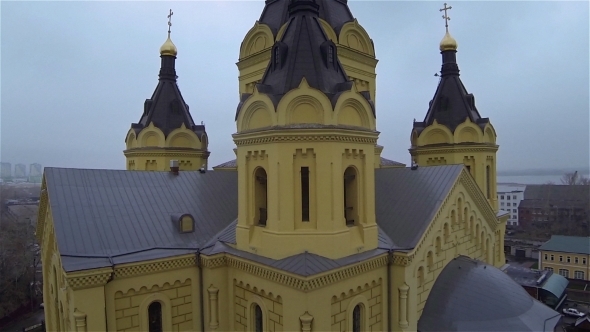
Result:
x=189 y=153
x=355 y=55
x=304 y=138
x=212 y=262
x=424 y=150
x=402 y=259
x=480 y=201
x=350 y=69
x=306 y=284
x=306 y=320
x=87 y=280
x=159 y=266
x=255 y=58
x=252 y=74
x=213 y=307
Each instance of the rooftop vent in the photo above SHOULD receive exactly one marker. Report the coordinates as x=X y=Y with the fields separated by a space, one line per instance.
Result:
x=174 y=167
x=184 y=222
x=203 y=168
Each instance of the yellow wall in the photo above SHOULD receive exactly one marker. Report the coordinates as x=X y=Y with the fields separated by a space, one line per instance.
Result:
x=582 y=265
x=150 y=150
x=469 y=145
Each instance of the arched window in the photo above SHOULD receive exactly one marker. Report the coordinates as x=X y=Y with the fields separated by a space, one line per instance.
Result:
x=430 y=261
x=453 y=218
x=357 y=316
x=420 y=276
x=260 y=200
x=446 y=232
x=438 y=245
x=488 y=189
x=460 y=210
x=155 y=317
x=258 y=319
x=350 y=196
x=465 y=214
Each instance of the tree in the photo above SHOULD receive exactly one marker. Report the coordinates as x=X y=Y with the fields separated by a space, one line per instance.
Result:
x=573 y=178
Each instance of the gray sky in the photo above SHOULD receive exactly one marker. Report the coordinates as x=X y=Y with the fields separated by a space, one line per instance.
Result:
x=75 y=74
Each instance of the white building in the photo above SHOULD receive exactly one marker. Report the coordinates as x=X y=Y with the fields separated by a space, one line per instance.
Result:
x=509 y=197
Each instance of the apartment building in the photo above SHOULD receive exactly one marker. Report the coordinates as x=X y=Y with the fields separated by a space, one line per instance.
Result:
x=568 y=256
x=509 y=197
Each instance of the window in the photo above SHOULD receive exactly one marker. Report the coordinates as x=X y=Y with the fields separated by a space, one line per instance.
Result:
x=564 y=272
x=350 y=196
x=501 y=204
x=420 y=276
x=568 y=259
x=561 y=258
x=277 y=57
x=304 y=193
x=258 y=319
x=488 y=183
x=260 y=196
x=549 y=268
x=502 y=197
x=508 y=197
x=468 y=168
x=514 y=197
x=584 y=261
x=513 y=210
x=330 y=54
x=545 y=256
x=438 y=245
x=576 y=260
x=356 y=318
x=513 y=204
x=155 y=317
x=579 y=275
x=552 y=257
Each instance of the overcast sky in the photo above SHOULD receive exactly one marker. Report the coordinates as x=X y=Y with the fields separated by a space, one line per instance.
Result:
x=75 y=75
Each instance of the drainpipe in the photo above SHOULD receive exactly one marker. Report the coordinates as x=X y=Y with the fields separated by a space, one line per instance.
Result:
x=104 y=288
x=201 y=292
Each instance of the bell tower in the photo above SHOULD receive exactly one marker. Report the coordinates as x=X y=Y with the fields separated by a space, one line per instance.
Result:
x=166 y=130
x=305 y=150
x=453 y=131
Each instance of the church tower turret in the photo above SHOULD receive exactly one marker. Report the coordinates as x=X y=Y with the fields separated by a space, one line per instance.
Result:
x=305 y=150
x=453 y=132
x=166 y=130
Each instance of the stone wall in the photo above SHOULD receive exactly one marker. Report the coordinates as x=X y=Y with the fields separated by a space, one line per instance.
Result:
x=272 y=307
x=127 y=305
x=372 y=313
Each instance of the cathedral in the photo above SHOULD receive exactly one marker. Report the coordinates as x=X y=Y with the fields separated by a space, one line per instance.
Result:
x=309 y=228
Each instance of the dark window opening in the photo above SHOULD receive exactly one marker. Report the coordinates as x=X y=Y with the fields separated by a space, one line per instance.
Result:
x=489 y=190
x=330 y=54
x=277 y=61
x=155 y=317
x=305 y=193
x=261 y=197
x=468 y=168
x=258 y=326
x=356 y=319
x=350 y=196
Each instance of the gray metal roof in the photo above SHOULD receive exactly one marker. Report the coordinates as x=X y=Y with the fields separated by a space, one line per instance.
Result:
x=228 y=164
x=106 y=217
x=126 y=215
x=455 y=302
x=563 y=243
x=389 y=162
x=407 y=200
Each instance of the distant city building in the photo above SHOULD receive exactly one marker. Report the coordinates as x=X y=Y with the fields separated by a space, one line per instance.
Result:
x=558 y=209
x=35 y=173
x=5 y=170
x=20 y=171
x=509 y=197
x=568 y=256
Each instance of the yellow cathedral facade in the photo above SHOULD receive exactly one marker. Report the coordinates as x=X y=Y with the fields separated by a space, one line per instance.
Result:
x=309 y=228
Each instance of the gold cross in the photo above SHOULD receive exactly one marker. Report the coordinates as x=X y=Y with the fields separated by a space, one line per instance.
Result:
x=170 y=20
x=446 y=16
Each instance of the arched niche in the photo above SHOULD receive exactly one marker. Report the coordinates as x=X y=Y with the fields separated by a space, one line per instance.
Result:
x=257 y=112
x=151 y=137
x=353 y=109
x=489 y=134
x=182 y=138
x=130 y=140
x=257 y=39
x=329 y=31
x=468 y=132
x=304 y=105
x=353 y=35
x=435 y=136
x=414 y=138
x=204 y=141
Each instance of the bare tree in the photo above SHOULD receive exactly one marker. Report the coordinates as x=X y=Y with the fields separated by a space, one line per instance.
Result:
x=573 y=178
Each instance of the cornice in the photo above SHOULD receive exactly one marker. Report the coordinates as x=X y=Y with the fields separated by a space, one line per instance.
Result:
x=304 y=284
x=450 y=148
x=167 y=264
x=350 y=69
x=41 y=213
x=253 y=59
x=401 y=259
x=252 y=74
x=88 y=279
x=164 y=152
x=352 y=54
x=480 y=201
x=303 y=135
